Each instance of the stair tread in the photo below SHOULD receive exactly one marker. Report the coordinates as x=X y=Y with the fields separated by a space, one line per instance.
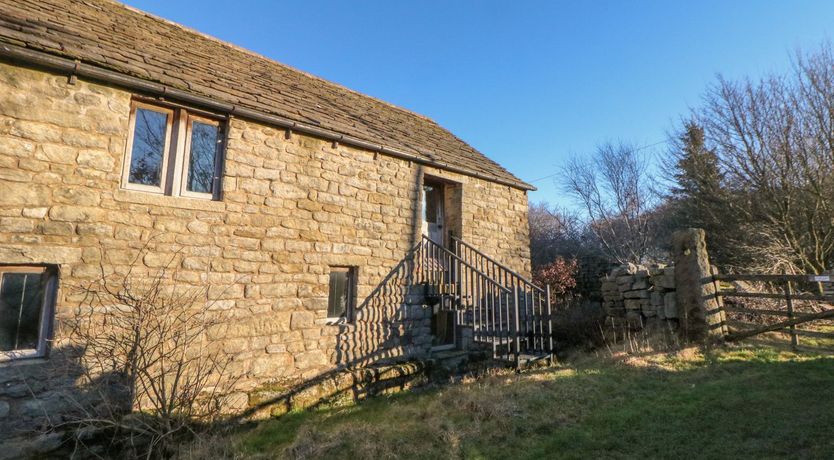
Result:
x=449 y=354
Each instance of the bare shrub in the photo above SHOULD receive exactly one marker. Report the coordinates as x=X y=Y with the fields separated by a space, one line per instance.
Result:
x=655 y=336
x=147 y=369
x=555 y=233
x=577 y=323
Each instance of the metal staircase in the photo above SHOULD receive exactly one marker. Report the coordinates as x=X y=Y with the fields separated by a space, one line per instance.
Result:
x=509 y=315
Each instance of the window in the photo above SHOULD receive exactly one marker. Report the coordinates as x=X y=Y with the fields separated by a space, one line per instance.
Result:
x=172 y=151
x=27 y=298
x=341 y=298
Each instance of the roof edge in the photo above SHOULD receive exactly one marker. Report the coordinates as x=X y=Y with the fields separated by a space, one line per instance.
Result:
x=258 y=55
x=74 y=67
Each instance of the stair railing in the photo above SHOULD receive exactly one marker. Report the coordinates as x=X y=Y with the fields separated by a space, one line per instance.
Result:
x=491 y=308
x=534 y=317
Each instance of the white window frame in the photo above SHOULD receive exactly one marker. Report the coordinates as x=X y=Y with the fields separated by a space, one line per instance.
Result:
x=177 y=154
x=186 y=159
x=163 y=174
x=352 y=285
x=47 y=310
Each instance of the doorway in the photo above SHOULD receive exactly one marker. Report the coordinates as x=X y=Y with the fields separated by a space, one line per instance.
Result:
x=434 y=212
x=441 y=204
x=442 y=328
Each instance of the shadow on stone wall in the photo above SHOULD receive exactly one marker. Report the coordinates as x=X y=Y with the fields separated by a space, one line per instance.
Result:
x=43 y=399
x=379 y=352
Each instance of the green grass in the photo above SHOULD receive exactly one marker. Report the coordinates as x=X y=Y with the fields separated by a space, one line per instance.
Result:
x=739 y=403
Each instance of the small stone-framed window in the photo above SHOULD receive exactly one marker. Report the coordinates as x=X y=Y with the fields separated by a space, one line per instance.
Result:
x=341 y=299
x=173 y=151
x=27 y=305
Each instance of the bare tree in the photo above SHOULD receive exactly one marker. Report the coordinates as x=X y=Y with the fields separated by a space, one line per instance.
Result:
x=614 y=189
x=775 y=142
x=553 y=233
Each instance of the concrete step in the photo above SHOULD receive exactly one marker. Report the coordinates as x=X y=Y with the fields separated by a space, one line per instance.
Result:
x=450 y=360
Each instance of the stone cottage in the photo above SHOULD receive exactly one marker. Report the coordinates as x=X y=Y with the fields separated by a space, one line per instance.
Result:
x=297 y=198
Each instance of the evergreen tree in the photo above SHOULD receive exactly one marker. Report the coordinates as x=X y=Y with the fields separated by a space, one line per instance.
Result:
x=697 y=177
x=699 y=196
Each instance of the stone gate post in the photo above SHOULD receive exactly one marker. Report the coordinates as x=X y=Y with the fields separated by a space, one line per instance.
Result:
x=699 y=310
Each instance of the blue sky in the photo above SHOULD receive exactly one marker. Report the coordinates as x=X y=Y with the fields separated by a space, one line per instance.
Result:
x=529 y=83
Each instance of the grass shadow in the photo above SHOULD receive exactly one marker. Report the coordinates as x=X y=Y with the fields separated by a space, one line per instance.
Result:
x=725 y=403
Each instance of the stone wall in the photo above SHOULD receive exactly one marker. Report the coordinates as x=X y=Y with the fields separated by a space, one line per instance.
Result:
x=290 y=208
x=591 y=270
x=683 y=296
x=639 y=295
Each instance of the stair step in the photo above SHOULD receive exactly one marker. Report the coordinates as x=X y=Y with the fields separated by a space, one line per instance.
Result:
x=527 y=360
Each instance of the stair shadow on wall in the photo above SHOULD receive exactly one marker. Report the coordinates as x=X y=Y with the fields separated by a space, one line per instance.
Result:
x=379 y=352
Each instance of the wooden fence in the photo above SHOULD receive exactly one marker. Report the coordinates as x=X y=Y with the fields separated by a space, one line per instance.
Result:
x=791 y=289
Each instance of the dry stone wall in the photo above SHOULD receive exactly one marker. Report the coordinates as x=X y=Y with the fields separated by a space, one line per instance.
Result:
x=290 y=208
x=638 y=294
x=591 y=271
x=683 y=296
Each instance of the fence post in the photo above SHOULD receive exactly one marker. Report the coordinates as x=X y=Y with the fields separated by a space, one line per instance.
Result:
x=789 y=299
x=698 y=306
x=549 y=323
x=458 y=276
x=517 y=326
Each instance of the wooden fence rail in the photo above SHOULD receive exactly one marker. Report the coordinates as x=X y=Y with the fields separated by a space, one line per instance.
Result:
x=790 y=295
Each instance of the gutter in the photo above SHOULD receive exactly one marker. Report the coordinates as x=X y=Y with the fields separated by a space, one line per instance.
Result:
x=76 y=68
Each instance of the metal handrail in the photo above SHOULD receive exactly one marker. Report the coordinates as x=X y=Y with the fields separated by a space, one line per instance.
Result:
x=499 y=264
x=467 y=264
x=507 y=309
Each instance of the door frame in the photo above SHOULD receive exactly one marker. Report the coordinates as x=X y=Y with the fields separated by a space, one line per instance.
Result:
x=440 y=210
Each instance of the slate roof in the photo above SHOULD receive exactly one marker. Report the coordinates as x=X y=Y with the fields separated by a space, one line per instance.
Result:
x=119 y=38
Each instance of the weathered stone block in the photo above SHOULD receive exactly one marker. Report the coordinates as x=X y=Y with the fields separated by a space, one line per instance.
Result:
x=642 y=294
x=98 y=229
x=633 y=304
x=302 y=320
x=96 y=159
x=657 y=299
x=640 y=285
x=670 y=306
x=36 y=213
x=310 y=359
x=16 y=225
x=24 y=194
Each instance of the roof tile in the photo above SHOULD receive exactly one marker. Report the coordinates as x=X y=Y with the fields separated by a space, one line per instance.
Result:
x=119 y=38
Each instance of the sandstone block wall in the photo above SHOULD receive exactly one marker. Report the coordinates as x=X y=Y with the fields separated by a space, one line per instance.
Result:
x=591 y=271
x=640 y=294
x=290 y=208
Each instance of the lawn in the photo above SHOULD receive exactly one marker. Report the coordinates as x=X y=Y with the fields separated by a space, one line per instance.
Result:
x=730 y=403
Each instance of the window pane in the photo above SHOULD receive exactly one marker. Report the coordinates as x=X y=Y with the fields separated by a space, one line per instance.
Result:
x=204 y=138
x=21 y=299
x=148 y=147
x=337 y=301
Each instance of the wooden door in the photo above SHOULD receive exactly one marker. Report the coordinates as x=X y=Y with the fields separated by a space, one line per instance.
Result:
x=433 y=212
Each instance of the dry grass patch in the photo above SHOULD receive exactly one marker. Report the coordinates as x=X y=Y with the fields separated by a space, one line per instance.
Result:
x=725 y=403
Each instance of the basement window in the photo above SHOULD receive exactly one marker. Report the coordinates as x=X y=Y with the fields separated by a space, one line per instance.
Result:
x=27 y=303
x=341 y=298
x=172 y=151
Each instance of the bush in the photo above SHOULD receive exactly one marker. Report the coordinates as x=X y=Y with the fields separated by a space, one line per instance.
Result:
x=578 y=323
x=144 y=361
x=560 y=275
